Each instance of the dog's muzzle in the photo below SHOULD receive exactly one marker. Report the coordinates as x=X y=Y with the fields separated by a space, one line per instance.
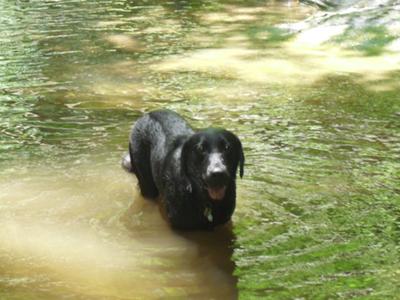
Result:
x=217 y=177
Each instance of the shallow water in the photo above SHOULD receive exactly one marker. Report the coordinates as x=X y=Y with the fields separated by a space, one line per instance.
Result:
x=318 y=208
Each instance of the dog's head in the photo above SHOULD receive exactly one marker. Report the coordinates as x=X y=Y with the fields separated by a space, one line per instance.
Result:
x=210 y=158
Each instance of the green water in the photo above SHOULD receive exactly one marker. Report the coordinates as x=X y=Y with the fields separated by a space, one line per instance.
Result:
x=318 y=213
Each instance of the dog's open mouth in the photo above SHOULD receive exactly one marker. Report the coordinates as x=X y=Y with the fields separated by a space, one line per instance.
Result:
x=216 y=193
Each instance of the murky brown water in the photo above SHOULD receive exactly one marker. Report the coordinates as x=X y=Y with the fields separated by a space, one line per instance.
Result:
x=320 y=127
x=87 y=234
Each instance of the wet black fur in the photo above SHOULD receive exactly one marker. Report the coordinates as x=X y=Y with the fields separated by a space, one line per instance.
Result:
x=168 y=158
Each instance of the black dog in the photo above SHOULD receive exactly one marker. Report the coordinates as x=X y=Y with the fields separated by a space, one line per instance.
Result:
x=194 y=172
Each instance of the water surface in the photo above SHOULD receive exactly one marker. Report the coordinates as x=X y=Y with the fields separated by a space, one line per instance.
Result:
x=318 y=208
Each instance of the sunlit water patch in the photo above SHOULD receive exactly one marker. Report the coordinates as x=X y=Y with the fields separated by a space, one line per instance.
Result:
x=89 y=242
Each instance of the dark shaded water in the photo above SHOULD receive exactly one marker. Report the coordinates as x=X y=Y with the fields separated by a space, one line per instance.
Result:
x=318 y=209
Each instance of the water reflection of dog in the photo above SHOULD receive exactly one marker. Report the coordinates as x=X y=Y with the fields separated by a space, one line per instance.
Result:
x=197 y=262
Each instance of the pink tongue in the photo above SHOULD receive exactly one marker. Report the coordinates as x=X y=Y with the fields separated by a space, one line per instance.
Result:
x=216 y=193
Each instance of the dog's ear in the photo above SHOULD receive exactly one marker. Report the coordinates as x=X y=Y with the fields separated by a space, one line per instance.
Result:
x=241 y=160
x=186 y=149
x=239 y=155
x=185 y=156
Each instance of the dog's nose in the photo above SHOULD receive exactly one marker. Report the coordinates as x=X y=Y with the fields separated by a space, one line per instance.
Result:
x=217 y=174
x=217 y=177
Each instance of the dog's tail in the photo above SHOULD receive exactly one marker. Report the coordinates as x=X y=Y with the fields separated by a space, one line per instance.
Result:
x=126 y=163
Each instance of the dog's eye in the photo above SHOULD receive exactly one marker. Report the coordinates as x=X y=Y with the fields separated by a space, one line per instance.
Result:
x=225 y=146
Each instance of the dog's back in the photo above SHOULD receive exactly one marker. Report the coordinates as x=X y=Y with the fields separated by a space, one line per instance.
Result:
x=169 y=124
x=152 y=138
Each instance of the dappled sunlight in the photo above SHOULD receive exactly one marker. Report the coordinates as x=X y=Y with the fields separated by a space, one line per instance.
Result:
x=124 y=42
x=302 y=60
x=297 y=62
x=227 y=93
x=233 y=14
x=331 y=60
x=228 y=17
x=110 y=85
x=248 y=65
x=317 y=36
x=73 y=256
